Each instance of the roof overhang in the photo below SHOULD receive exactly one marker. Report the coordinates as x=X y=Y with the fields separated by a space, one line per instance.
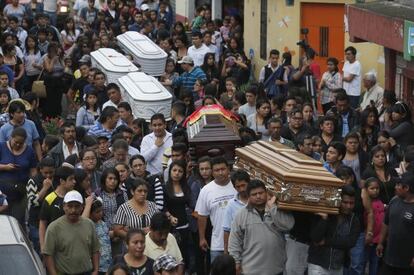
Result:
x=380 y=22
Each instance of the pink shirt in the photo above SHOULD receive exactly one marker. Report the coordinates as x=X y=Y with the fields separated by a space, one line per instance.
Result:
x=379 y=212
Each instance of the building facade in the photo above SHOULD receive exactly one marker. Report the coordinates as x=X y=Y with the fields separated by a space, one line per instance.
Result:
x=277 y=24
x=391 y=25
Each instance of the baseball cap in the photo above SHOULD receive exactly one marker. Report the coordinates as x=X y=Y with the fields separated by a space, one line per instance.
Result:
x=186 y=60
x=144 y=7
x=73 y=196
x=165 y=262
x=85 y=59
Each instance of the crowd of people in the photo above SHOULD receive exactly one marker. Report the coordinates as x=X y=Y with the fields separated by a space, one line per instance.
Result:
x=111 y=193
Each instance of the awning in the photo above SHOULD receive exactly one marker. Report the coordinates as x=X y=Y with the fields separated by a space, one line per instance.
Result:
x=379 y=22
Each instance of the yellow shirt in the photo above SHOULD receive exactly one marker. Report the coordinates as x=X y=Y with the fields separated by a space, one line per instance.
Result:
x=153 y=251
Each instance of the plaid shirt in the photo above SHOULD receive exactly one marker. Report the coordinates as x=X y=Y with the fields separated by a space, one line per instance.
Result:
x=187 y=79
x=332 y=82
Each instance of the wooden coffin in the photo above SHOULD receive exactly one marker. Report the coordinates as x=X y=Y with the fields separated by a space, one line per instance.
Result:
x=213 y=134
x=299 y=182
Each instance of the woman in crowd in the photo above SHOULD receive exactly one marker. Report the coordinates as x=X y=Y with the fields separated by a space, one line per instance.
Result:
x=32 y=61
x=380 y=169
x=15 y=63
x=89 y=112
x=136 y=212
x=385 y=110
x=69 y=35
x=331 y=80
x=123 y=170
x=257 y=121
x=89 y=163
x=54 y=69
x=155 y=184
x=177 y=198
x=309 y=118
x=135 y=259
x=112 y=196
x=402 y=129
x=17 y=163
x=369 y=128
x=210 y=69
x=393 y=151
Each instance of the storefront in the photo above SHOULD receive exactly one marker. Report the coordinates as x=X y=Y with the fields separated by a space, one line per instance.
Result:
x=389 y=24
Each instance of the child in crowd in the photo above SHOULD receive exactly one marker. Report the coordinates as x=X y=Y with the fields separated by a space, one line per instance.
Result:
x=225 y=29
x=104 y=236
x=4 y=100
x=230 y=91
x=372 y=238
x=334 y=156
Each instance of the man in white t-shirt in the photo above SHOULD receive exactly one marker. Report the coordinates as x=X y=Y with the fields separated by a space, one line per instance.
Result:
x=212 y=203
x=249 y=107
x=198 y=50
x=352 y=76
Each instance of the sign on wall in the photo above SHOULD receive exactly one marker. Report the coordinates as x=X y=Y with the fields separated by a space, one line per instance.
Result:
x=408 y=40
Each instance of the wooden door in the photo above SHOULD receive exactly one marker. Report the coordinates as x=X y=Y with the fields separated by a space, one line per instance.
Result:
x=326 y=36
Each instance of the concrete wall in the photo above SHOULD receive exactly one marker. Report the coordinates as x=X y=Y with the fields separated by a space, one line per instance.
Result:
x=284 y=37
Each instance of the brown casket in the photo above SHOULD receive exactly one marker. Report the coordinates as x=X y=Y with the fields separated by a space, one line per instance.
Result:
x=299 y=182
x=212 y=132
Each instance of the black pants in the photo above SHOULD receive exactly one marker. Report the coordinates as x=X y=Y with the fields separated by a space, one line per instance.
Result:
x=54 y=91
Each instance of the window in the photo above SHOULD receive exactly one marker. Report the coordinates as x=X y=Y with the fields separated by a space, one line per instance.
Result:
x=263 y=29
x=323 y=41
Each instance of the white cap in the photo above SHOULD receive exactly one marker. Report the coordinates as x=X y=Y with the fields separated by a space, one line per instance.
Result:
x=144 y=7
x=73 y=196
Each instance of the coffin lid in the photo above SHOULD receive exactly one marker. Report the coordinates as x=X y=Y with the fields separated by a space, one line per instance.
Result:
x=141 y=45
x=213 y=127
x=143 y=87
x=286 y=164
x=113 y=61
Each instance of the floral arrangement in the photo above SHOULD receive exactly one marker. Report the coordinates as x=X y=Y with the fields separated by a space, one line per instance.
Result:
x=52 y=125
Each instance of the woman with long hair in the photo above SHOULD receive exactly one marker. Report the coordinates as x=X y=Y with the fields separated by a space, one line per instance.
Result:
x=402 y=129
x=89 y=112
x=393 y=151
x=69 y=34
x=309 y=118
x=380 y=169
x=32 y=61
x=54 y=70
x=369 y=128
x=15 y=63
x=257 y=121
x=209 y=67
x=177 y=199
x=330 y=81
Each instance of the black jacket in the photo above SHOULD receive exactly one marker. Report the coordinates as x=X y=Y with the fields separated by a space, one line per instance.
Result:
x=56 y=153
x=353 y=120
x=340 y=235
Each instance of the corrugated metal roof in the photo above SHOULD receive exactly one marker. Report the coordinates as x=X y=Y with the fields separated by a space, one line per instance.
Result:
x=389 y=8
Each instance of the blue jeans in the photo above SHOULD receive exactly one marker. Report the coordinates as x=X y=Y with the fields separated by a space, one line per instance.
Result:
x=372 y=259
x=354 y=101
x=357 y=257
x=34 y=237
x=214 y=254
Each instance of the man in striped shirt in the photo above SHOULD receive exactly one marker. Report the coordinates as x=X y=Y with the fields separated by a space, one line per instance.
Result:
x=106 y=124
x=187 y=79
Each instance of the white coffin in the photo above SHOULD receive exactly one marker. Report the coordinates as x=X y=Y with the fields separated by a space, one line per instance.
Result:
x=112 y=63
x=146 y=95
x=145 y=52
